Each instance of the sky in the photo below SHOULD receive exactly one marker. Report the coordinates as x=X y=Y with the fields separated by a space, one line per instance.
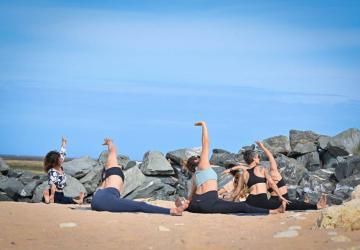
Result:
x=142 y=72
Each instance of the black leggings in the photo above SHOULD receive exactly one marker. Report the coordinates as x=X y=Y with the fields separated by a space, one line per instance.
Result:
x=59 y=197
x=210 y=203
x=295 y=204
x=261 y=200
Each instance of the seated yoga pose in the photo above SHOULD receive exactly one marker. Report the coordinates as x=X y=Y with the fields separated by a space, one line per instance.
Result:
x=107 y=197
x=57 y=178
x=204 y=195
x=279 y=181
x=255 y=179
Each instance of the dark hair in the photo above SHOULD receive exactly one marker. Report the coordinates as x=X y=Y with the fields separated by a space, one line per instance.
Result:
x=249 y=156
x=192 y=163
x=51 y=160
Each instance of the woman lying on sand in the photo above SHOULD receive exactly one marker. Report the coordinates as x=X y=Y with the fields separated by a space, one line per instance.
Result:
x=277 y=178
x=57 y=178
x=107 y=198
x=204 y=195
x=256 y=179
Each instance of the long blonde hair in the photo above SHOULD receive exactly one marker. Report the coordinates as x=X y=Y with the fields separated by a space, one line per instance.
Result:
x=240 y=191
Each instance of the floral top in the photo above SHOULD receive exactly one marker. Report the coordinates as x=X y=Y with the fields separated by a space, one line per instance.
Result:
x=55 y=177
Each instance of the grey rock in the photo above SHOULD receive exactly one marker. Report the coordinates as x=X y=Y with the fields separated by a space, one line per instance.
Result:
x=320 y=181
x=73 y=187
x=346 y=167
x=185 y=183
x=354 y=164
x=310 y=160
x=4 y=167
x=131 y=164
x=328 y=160
x=224 y=158
x=323 y=141
x=134 y=178
x=11 y=186
x=291 y=170
x=29 y=188
x=278 y=144
x=26 y=177
x=14 y=173
x=154 y=163
x=122 y=159
x=152 y=188
x=332 y=199
x=345 y=143
x=172 y=181
x=245 y=148
x=303 y=142
x=180 y=156
x=38 y=192
x=4 y=197
x=92 y=179
x=79 y=167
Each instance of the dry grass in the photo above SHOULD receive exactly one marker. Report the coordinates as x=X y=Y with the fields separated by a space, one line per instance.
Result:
x=32 y=166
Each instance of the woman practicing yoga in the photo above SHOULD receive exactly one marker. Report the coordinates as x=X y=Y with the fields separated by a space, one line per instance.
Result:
x=204 y=195
x=277 y=178
x=107 y=198
x=256 y=179
x=57 y=178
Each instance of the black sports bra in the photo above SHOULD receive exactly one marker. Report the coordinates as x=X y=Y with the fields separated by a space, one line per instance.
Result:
x=112 y=171
x=280 y=184
x=253 y=179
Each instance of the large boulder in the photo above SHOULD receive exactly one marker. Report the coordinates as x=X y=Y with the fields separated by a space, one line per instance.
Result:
x=303 y=142
x=134 y=178
x=27 y=177
x=346 y=186
x=11 y=186
x=4 y=168
x=224 y=158
x=122 y=159
x=73 y=187
x=346 y=167
x=92 y=179
x=345 y=143
x=323 y=141
x=79 y=167
x=310 y=160
x=180 y=156
x=185 y=183
x=29 y=188
x=344 y=216
x=154 y=163
x=320 y=181
x=4 y=197
x=356 y=193
x=328 y=160
x=291 y=170
x=14 y=173
x=278 y=144
x=38 y=192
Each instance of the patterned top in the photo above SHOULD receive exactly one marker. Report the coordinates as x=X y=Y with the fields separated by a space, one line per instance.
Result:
x=56 y=178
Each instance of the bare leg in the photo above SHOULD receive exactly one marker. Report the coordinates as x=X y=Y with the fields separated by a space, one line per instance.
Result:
x=112 y=156
x=280 y=209
x=79 y=200
x=322 y=203
x=46 y=195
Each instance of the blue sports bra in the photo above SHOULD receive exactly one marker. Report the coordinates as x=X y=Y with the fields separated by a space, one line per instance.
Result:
x=202 y=176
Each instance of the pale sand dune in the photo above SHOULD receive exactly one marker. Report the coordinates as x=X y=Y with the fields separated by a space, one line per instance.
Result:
x=36 y=226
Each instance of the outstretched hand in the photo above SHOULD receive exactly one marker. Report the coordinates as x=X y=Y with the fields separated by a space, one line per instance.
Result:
x=283 y=199
x=63 y=141
x=107 y=141
x=201 y=123
x=260 y=144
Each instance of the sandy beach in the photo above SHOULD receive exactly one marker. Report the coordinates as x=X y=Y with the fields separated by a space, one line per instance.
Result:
x=41 y=226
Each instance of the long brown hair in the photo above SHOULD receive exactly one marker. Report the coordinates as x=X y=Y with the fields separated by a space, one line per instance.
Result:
x=51 y=160
x=192 y=163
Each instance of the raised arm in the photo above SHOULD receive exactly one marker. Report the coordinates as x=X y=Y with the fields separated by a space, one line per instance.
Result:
x=63 y=149
x=234 y=168
x=274 y=186
x=269 y=155
x=204 y=156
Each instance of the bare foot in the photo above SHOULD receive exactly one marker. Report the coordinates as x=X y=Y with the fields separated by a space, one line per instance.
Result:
x=179 y=203
x=80 y=200
x=46 y=195
x=322 y=203
x=280 y=209
x=177 y=211
x=306 y=199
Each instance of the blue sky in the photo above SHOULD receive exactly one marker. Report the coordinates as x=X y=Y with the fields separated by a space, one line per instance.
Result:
x=143 y=72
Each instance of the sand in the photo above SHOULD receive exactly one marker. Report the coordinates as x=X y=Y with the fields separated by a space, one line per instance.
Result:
x=41 y=226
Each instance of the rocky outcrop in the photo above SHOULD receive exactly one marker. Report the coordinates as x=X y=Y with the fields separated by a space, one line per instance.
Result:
x=4 y=168
x=134 y=178
x=79 y=167
x=291 y=170
x=303 y=142
x=122 y=159
x=278 y=144
x=344 y=143
x=180 y=156
x=224 y=158
x=311 y=161
x=154 y=163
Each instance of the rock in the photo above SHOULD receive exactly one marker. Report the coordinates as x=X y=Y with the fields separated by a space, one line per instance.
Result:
x=11 y=186
x=132 y=164
x=154 y=163
x=291 y=170
x=344 y=216
x=38 y=192
x=224 y=158
x=26 y=177
x=310 y=160
x=4 y=167
x=356 y=193
x=14 y=173
x=79 y=167
x=334 y=200
x=122 y=159
x=73 y=187
x=302 y=142
x=134 y=178
x=152 y=188
x=328 y=160
x=278 y=144
x=354 y=165
x=172 y=181
x=320 y=181
x=180 y=156
x=346 y=186
x=286 y=234
x=345 y=143
x=92 y=179
x=29 y=188
x=4 y=197
x=185 y=183
x=323 y=141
